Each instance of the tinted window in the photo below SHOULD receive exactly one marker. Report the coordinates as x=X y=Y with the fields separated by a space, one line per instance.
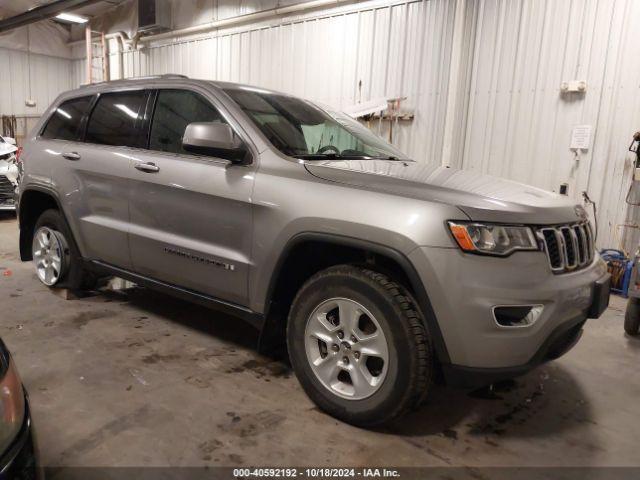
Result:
x=64 y=124
x=115 y=119
x=175 y=109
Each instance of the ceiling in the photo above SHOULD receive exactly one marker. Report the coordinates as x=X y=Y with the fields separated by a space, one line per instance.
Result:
x=10 y=8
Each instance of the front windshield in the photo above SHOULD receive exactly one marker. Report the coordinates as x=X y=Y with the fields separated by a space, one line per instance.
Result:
x=300 y=129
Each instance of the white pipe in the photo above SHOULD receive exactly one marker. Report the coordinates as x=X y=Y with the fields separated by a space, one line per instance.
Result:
x=250 y=17
x=88 y=48
x=124 y=38
x=451 y=135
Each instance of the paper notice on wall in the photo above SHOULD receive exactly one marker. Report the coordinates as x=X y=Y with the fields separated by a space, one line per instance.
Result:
x=581 y=137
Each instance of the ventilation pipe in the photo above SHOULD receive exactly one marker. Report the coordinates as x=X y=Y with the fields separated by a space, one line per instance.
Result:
x=250 y=17
x=127 y=43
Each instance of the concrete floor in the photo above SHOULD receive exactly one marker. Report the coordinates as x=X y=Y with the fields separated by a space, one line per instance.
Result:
x=139 y=378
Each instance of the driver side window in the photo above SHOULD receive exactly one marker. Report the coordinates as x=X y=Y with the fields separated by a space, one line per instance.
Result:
x=174 y=110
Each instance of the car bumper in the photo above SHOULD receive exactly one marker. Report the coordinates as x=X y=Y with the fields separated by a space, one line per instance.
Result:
x=463 y=290
x=20 y=460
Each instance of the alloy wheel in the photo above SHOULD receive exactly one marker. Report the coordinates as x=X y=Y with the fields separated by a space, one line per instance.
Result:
x=346 y=348
x=49 y=255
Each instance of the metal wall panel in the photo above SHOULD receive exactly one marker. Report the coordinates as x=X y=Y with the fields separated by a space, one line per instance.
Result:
x=519 y=124
x=31 y=76
x=512 y=120
x=393 y=48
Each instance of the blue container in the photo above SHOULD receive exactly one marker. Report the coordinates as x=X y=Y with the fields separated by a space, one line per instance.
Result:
x=616 y=256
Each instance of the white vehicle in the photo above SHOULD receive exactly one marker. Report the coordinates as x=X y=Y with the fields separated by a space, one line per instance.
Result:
x=8 y=173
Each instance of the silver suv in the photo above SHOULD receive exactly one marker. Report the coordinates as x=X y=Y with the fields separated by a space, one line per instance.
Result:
x=382 y=274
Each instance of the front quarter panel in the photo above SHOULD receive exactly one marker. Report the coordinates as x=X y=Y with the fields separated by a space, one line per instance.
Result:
x=289 y=201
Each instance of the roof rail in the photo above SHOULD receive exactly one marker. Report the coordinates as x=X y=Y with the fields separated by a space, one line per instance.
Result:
x=172 y=75
x=147 y=77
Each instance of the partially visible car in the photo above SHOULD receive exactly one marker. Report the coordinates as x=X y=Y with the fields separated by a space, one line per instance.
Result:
x=18 y=452
x=9 y=172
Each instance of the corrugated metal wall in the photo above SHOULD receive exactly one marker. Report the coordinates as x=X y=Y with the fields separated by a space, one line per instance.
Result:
x=399 y=49
x=519 y=124
x=31 y=76
x=512 y=120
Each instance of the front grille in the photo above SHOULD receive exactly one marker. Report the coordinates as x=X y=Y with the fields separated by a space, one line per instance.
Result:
x=568 y=247
x=6 y=188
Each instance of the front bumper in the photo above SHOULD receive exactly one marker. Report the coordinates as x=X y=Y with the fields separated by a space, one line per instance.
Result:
x=464 y=288
x=7 y=194
x=20 y=460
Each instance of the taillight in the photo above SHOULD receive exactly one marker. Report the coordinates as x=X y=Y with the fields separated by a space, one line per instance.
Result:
x=18 y=152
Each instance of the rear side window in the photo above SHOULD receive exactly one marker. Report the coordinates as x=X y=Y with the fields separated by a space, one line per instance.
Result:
x=175 y=109
x=116 y=119
x=65 y=122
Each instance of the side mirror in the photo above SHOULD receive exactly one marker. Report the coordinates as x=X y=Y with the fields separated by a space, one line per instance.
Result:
x=10 y=141
x=214 y=139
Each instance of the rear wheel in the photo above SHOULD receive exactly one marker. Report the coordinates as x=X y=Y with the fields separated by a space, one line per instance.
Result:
x=358 y=345
x=50 y=255
x=632 y=316
x=55 y=256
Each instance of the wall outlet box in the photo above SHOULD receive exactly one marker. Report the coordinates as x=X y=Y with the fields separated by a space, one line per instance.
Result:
x=579 y=86
x=30 y=103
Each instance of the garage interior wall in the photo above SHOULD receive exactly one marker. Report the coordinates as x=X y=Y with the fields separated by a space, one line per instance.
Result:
x=482 y=78
x=518 y=124
x=338 y=57
x=35 y=65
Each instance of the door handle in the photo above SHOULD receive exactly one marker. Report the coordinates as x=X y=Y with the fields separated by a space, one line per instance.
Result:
x=71 y=156
x=147 y=167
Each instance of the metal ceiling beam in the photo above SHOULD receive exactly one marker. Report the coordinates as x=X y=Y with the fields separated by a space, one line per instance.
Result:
x=42 y=13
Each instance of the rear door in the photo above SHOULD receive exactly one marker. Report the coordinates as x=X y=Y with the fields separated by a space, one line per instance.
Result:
x=190 y=215
x=96 y=178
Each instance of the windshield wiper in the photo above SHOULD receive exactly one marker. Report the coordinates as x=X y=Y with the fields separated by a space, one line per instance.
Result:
x=337 y=156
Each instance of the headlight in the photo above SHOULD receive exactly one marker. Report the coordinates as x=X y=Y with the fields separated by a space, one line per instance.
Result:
x=492 y=239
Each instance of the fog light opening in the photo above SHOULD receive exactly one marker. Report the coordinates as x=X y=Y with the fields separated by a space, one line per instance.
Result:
x=516 y=316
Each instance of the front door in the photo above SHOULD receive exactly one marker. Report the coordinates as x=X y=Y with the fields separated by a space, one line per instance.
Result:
x=190 y=215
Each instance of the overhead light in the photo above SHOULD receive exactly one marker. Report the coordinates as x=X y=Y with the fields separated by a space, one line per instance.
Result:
x=70 y=17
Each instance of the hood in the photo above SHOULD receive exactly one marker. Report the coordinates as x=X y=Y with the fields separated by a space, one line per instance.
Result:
x=7 y=148
x=480 y=197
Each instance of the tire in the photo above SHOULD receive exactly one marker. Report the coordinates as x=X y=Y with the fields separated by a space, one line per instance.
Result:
x=393 y=384
x=72 y=275
x=632 y=316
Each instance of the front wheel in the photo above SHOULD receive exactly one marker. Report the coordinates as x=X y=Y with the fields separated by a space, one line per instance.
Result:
x=358 y=345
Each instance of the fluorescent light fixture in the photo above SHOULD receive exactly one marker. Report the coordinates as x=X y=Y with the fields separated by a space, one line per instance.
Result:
x=70 y=17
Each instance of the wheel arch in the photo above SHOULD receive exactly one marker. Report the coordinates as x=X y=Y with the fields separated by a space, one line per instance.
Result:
x=289 y=274
x=33 y=201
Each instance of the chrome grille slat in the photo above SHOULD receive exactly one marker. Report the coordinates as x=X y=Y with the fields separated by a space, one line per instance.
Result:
x=6 y=187
x=568 y=247
x=582 y=244
x=587 y=228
